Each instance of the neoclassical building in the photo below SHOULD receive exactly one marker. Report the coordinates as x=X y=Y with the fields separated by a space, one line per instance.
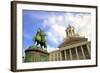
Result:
x=74 y=47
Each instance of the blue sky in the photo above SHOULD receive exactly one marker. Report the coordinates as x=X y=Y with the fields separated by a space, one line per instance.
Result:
x=54 y=25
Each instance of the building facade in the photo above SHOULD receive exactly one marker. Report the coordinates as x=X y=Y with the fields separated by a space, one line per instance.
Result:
x=74 y=47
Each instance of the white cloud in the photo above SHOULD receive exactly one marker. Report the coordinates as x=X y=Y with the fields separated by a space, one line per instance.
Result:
x=58 y=24
x=50 y=48
x=86 y=31
x=85 y=26
x=59 y=30
x=52 y=19
x=69 y=17
x=52 y=37
x=60 y=18
x=81 y=22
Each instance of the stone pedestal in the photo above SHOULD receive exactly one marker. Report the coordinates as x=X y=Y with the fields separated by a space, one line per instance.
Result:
x=36 y=55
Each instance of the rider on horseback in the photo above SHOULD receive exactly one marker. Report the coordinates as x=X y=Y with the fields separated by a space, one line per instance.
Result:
x=39 y=38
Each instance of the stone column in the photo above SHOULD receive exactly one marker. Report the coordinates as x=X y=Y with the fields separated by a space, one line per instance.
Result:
x=82 y=52
x=77 y=53
x=88 y=49
x=53 y=57
x=65 y=55
x=60 y=56
x=31 y=58
x=70 y=54
x=57 y=56
x=49 y=57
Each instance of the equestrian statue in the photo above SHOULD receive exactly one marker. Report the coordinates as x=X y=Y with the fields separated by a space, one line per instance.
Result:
x=39 y=38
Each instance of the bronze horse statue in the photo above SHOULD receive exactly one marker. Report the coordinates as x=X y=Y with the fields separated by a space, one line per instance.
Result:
x=39 y=38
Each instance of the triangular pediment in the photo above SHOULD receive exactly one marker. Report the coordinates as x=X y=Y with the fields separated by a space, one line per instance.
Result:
x=72 y=40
